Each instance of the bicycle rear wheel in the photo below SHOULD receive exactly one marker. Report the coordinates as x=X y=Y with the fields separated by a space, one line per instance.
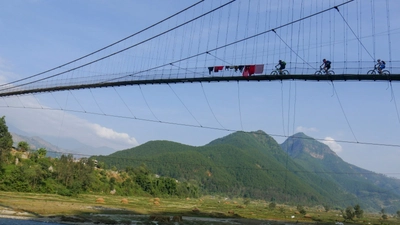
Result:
x=285 y=72
x=386 y=72
x=371 y=72
x=331 y=72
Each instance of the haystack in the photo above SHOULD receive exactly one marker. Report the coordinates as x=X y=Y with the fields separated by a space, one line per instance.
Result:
x=196 y=210
x=100 y=200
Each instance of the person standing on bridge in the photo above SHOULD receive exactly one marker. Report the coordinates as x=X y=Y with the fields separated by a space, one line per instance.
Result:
x=282 y=65
x=380 y=65
x=326 y=64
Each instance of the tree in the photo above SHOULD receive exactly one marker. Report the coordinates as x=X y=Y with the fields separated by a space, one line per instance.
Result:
x=101 y=165
x=349 y=213
x=42 y=152
x=398 y=214
x=326 y=207
x=358 y=211
x=301 y=210
x=272 y=205
x=384 y=216
x=23 y=146
x=5 y=140
x=65 y=172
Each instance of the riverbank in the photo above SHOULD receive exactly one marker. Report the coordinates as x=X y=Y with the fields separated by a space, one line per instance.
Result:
x=133 y=219
x=109 y=209
x=130 y=219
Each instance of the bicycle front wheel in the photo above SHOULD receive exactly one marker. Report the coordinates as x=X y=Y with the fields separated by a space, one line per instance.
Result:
x=285 y=72
x=331 y=72
x=386 y=72
x=371 y=72
x=274 y=73
x=318 y=73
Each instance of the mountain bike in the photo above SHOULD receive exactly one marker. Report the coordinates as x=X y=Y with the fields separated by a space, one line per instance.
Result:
x=322 y=72
x=376 y=71
x=279 y=72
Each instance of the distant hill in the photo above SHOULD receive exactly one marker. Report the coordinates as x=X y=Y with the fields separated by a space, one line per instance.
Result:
x=368 y=188
x=36 y=143
x=75 y=146
x=64 y=146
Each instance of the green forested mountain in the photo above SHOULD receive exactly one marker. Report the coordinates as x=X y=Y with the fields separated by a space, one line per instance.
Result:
x=240 y=164
x=255 y=165
x=367 y=188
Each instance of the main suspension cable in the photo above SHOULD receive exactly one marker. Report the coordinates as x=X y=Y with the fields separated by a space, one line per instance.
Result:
x=122 y=50
x=101 y=49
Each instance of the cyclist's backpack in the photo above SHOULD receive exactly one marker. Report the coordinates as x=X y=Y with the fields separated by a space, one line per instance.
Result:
x=383 y=62
x=283 y=63
x=328 y=62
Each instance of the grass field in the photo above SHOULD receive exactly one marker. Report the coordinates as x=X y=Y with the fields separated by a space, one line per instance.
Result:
x=110 y=209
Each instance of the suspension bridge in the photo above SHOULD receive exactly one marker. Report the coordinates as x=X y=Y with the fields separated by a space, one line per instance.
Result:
x=71 y=85
x=247 y=33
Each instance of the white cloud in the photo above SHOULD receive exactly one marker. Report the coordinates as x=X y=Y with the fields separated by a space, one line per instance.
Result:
x=332 y=144
x=306 y=129
x=110 y=134
x=58 y=123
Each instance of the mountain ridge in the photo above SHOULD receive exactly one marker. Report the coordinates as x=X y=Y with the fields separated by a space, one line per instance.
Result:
x=253 y=164
x=36 y=142
x=350 y=178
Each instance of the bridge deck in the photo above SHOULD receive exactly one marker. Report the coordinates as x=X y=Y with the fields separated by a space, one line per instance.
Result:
x=340 y=77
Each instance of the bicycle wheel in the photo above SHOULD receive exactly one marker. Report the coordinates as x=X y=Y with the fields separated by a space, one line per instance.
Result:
x=274 y=72
x=285 y=72
x=331 y=72
x=385 y=72
x=318 y=73
x=371 y=72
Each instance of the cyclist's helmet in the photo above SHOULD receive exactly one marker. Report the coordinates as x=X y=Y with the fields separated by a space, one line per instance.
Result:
x=324 y=60
x=378 y=60
x=280 y=61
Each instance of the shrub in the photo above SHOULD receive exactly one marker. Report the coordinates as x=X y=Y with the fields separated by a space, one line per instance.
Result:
x=272 y=205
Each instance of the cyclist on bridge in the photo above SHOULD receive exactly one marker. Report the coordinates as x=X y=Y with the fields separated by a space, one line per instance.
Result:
x=326 y=64
x=282 y=65
x=380 y=65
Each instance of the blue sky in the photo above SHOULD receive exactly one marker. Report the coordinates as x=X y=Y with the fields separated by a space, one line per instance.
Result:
x=37 y=35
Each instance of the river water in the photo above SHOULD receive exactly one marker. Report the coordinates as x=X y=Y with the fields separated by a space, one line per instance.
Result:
x=6 y=221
